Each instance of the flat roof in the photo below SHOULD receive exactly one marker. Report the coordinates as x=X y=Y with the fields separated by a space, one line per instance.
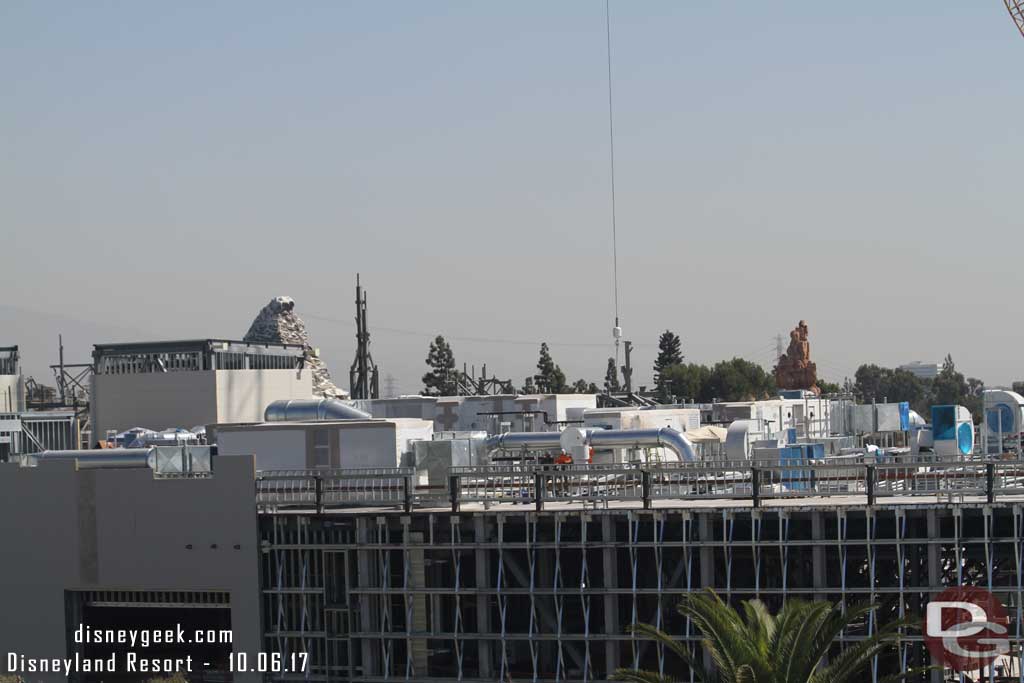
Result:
x=185 y=345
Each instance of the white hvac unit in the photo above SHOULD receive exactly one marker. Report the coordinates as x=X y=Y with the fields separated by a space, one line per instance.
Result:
x=1004 y=419
x=952 y=431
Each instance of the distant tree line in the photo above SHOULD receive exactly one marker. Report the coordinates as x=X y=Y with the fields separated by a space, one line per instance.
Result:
x=676 y=381
x=950 y=387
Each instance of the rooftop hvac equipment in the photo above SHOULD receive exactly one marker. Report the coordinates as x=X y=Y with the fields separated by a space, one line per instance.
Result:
x=434 y=459
x=740 y=438
x=952 y=430
x=163 y=460
x=874 y=418
x=1004 y=418
x=665 y=437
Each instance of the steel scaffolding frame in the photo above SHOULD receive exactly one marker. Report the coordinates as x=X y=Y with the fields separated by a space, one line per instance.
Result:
x=531 y=596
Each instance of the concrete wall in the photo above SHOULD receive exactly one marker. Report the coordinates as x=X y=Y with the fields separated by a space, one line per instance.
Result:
x=186 y=399
x=123 y=530
x=12 y=394
x=278 y=449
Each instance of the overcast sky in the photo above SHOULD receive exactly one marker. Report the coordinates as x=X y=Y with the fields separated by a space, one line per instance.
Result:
x=167 y=168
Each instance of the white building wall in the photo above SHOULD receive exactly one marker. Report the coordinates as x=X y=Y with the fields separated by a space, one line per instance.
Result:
x=243 y=395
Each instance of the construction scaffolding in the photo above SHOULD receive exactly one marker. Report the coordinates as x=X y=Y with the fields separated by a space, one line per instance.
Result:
x=435 y=589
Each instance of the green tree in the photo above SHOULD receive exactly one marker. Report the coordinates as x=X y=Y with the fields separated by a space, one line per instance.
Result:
x=442 y=380
x=528 y=387
x=828 y=387
x=549 y=378
x=951 y=387
x=611 y=377
x=582 y=386
x=870 y=382
x=737 y=380
x=670 y=353
x=686 y=381
x=904 y=385
x=756 y=647
x=1018 y=387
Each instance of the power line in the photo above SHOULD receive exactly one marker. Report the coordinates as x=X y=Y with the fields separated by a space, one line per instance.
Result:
x=480 y=340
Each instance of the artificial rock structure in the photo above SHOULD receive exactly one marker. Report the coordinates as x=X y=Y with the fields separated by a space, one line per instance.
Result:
x=795 y=369
x=277 y=323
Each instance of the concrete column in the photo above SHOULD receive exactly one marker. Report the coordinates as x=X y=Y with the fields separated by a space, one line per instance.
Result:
x=367 y=615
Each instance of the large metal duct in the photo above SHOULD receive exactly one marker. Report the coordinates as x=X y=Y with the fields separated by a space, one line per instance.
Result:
x=666 y=437
x=300 y=410
x=519 y=441
x=107 y=458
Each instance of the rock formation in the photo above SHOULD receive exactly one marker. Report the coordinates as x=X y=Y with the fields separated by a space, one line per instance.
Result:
x=795 y=369
x=278 y=324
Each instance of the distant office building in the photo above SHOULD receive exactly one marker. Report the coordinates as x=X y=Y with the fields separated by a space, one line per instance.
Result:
x=922 y=370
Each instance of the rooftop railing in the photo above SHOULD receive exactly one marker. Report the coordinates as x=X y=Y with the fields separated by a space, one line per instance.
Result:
x=644 y=486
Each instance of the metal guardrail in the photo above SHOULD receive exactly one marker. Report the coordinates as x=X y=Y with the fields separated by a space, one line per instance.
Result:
x=644 y=484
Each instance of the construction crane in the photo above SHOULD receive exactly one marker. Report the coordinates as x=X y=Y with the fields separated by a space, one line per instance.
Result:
x=1016 y=9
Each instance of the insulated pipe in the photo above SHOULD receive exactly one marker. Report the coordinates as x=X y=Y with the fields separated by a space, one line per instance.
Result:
x=666 y=437
x=312 y=409
x=108 y=458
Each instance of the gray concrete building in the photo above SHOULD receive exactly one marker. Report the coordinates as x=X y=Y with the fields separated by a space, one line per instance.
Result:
x=119 y=547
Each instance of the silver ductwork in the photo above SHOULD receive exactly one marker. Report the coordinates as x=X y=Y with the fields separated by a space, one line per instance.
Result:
x=523 y=441
x=665 y=437
x=107 y=458
x=307 y=409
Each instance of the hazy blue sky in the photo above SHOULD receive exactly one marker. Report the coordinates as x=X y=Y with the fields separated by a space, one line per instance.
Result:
x=166 y=168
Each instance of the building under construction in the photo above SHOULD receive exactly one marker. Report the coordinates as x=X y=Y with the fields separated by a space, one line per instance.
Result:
x=531 y=575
